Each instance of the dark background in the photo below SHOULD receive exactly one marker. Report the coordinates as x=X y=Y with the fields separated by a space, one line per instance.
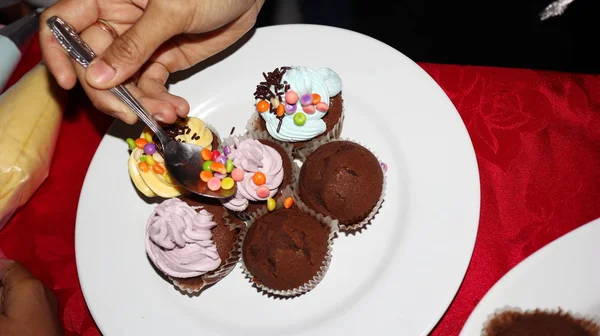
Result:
x=505 y=33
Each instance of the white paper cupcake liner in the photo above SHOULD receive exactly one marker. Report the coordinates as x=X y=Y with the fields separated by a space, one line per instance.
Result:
x=222 y=271
x=287 y=148
x=592 y=322
x=334 y=133
x=348 y=228
x=310 y=285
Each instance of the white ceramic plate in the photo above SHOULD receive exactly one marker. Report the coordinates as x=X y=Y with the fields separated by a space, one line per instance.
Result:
x=564 y=274
x=400 y=275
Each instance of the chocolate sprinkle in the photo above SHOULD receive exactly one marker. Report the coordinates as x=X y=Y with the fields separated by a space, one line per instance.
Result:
x=232 y=130
x=264 y=91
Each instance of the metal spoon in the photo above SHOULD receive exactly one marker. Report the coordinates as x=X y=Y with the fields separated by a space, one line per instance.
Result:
x=182 y=160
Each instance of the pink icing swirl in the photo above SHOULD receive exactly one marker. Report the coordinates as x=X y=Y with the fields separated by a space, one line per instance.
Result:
x=179 y=241
x=252 y=156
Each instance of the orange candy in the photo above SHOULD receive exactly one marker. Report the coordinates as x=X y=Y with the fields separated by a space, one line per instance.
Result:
x=280 y=110
x=205 y=154
x=140 y=143
x=316 y=98
x=158 y=168
x=288 y=202
x=259 y=178
x=218 y=167
x=262 y=106
x=206 y=175
x=143 y=166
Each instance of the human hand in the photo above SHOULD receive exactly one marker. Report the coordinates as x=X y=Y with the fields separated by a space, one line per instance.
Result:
x=26 y=306
x=156 y=38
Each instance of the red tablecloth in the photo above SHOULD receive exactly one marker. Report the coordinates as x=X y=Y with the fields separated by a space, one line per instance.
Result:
x=537 y=139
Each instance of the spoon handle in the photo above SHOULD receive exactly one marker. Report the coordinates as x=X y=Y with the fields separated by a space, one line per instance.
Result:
x=84 y=55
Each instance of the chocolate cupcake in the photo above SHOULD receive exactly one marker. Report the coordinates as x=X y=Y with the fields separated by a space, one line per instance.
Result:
x=299 y=105
x=342 y=180
x=286 y=252
x=263 y=169
x=513 y=322
x=194 y=243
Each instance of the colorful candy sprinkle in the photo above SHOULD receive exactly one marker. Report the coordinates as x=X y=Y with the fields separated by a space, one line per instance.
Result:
x=237 y=174
x=131 y=143
x=280 y=110
x=214 y=184
x=150 y=148
x=218 y=167
x=142 y=158
x=316 y=98
x=384 y=167
x=306 y=99
x=205 y=154
x=322 y=107
x=220 y=176
x=143 y=166
x=291 y=97
x=263 y=191
x=290 y=108
x=226 y=150
x=206 y=165
x=262 y=106
x=299 y=119
x=140 y=143
x=259 y=178
x=229 y=166
x=222 y=159
x=158 y=158
x=148 y=136
x=271 y=204
x=206 y=175
x=275 y=102
x=158 y=168
x=215 y=155
x=308 y=109
x=288 y=202
x=227 y=183
x=150 y=160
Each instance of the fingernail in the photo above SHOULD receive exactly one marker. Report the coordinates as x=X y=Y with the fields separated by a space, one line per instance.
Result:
x=100 y=72
x=159 y=118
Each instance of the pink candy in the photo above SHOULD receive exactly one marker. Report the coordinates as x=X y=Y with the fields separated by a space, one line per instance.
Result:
x=308 y=109
x=214 y=184
x=237 y=174
x=291 y=97
x=322 y=107
x=263 y=191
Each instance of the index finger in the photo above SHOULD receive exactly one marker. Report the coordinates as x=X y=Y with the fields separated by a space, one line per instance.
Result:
x=78 y=13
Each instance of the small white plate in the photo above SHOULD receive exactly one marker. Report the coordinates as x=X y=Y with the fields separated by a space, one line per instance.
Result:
x=564 y=273
x=399 y=275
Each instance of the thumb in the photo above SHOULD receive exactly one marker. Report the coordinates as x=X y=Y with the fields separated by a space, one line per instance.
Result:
x=128 y=53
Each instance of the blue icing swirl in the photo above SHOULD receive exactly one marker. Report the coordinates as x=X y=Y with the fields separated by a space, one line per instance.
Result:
x=325 y=82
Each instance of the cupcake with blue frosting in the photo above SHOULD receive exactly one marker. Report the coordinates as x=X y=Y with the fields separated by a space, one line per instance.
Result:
x=299 y=105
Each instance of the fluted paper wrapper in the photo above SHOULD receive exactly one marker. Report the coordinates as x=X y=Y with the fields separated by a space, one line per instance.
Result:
x=507 y=313
x=287 y=148
x=310 y=285
x=334 y=133
x=352 y=227
x=197 y=284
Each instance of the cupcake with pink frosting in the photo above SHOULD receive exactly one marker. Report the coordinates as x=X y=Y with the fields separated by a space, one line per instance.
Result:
x=263 y=170
x=194 y=245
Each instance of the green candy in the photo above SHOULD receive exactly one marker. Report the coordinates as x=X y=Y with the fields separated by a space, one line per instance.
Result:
x=131 y=143
x=299 y=118
x=206 y=165
x=229 y=166
x=143 y=158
